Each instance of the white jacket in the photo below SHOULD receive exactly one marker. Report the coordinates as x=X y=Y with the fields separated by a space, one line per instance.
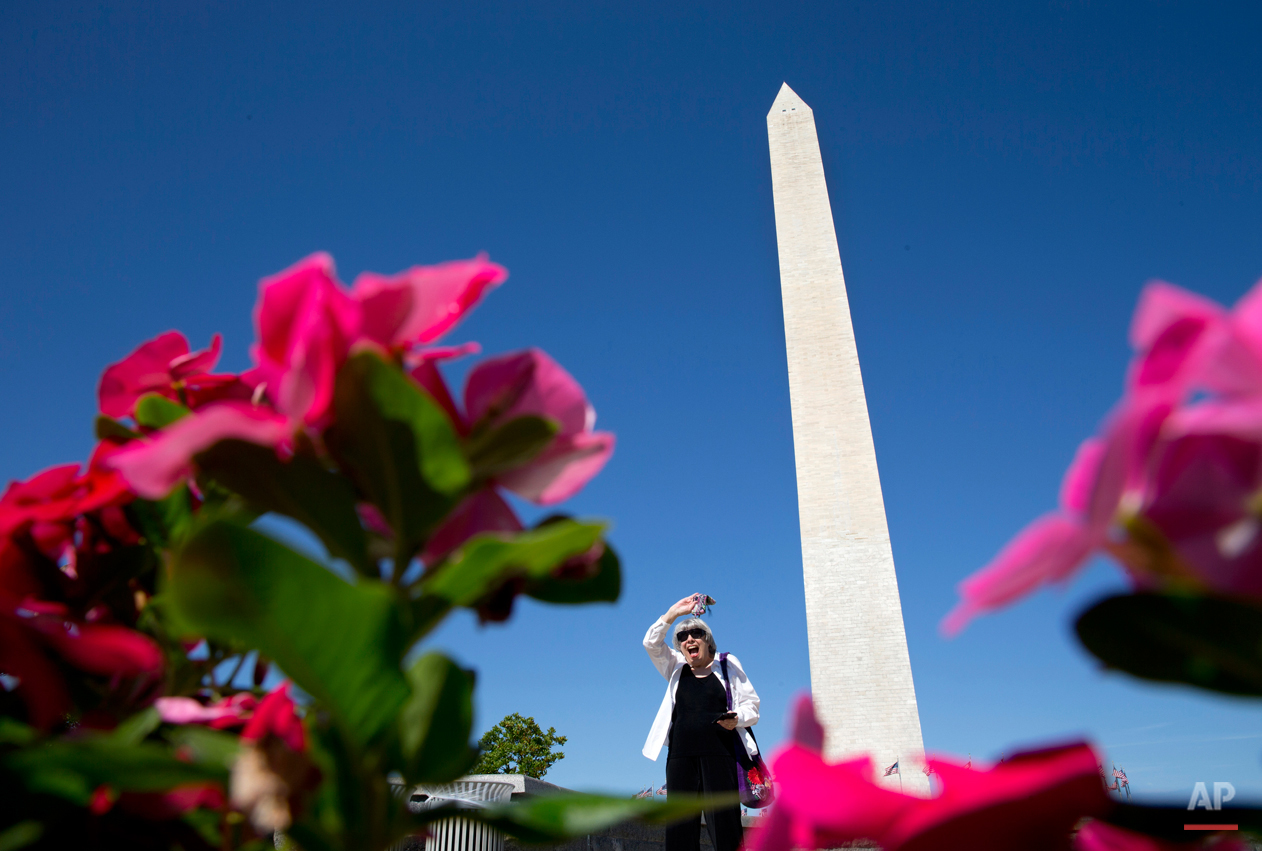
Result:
x=670 y=663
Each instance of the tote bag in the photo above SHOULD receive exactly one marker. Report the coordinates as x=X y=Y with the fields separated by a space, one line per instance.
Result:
x=754 y=783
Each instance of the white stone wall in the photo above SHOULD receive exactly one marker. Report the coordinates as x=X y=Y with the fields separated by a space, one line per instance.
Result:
x=860 y=671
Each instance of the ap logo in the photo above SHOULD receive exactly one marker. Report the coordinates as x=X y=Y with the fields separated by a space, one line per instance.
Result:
x=1200 y=796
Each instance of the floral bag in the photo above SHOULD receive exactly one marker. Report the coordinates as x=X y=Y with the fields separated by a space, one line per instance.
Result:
x=752 y=777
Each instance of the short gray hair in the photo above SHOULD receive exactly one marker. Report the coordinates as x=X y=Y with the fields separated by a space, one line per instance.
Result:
x=689 y=623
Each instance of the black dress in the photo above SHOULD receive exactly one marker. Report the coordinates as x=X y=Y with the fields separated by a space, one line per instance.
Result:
x=702 y=759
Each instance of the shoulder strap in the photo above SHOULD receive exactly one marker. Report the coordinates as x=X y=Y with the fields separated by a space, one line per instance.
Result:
x=727 y=683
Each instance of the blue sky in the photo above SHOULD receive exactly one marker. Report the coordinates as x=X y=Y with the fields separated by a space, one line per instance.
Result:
x=1004 y=178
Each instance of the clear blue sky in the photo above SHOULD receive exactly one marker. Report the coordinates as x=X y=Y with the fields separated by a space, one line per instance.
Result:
x=1005 y=177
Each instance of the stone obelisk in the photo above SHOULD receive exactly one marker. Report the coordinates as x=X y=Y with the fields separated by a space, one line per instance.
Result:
x=860 y=670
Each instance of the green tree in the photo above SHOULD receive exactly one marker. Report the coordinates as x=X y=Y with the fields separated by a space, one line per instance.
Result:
x=517 y=745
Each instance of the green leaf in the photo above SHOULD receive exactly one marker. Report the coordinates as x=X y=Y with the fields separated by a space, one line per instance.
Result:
x=436 y=722
x=602 y=586
x=485 y=562
x=162 y=521
x=300 y=488
x=341 y=643
x=204 y=745
x=556 y=818
x=73 y=769
x=108 y=428
x=398 y=445
x=510 y=445
x=156 y=411
x=14 y=732
x=20 y=835
x=135 y=729
x=1208 y=642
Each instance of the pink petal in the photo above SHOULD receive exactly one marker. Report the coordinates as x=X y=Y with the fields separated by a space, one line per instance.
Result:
x=196 y=363
x=1028 y=801
x=153 y=467
x=276 y=716
x=806 y=730
x=1080 y=478
x=1047 y=550
x=41 y=685
x=561 y=470
x=386 y=306
x=483 y=511
x=186 y=710
x=1161 y=305
x=103 y=649
x=1099 y=836
x=441 y=296
x=425 y=373
x=162 y=806
x=282 y=296
x=830 y=804
x=1242 y=419
x=145 y=370
x=527 y=383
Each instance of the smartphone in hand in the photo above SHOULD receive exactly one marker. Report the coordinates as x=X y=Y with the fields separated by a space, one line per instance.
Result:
x=726 y=716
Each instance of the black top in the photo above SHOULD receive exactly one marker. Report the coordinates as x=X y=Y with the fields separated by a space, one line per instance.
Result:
x=699 y=701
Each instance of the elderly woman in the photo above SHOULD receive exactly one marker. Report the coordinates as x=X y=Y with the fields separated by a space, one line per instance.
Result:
x=706 y=741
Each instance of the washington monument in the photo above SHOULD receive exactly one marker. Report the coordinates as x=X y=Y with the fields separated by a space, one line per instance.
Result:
x=860 y=669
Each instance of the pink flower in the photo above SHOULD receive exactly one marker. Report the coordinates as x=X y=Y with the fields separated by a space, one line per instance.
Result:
x=33 y=630
x=59 y=494
x=164 y=365
x=1030 y=801
x=482 y=511
x=306 y=323
x=1167 y=488
x=530 y=383
x=498 y=390
x=1100 y=836
x=223 y=714
x=821 y=804
x=276 y=717
x=421 y=304
x=153 y=467
x=174 y=803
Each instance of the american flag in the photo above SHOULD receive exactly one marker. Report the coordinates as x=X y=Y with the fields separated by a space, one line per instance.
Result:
x=928 y=769
x=1121 y=779
x=893 y=769
x=662 y=790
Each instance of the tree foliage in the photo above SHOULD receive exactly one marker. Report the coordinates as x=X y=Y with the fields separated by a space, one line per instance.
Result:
x=518 y=745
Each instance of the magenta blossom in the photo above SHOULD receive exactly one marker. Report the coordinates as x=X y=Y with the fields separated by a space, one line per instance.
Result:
x=1030 y=801
x=530 y=383
x=165 y=366
x=423 y=303
x=307 y=324
x=1169 y=488
x=223 y=714
x=1100 y=836
x=498 y=390
x=154 y=467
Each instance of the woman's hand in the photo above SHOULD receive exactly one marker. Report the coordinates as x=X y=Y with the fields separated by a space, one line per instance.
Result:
x=727 y=723
x=683 y=607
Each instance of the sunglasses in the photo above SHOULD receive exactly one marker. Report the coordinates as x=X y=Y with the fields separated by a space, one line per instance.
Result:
x=695 y=632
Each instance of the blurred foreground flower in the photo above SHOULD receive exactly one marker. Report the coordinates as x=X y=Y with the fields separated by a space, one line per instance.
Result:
x=1031 y=801
x=1172 y=486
